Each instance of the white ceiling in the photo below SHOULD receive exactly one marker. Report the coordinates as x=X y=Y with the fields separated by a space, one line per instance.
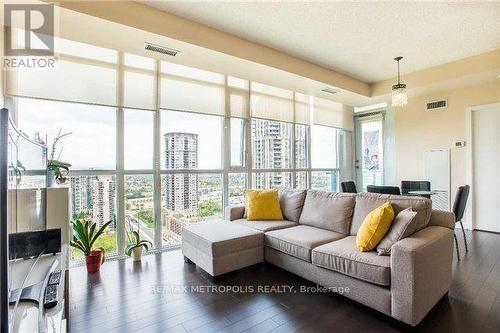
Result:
x=358 y=39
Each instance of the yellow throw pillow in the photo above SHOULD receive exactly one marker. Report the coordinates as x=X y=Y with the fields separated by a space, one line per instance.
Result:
x=263 y=205
x=374 y=227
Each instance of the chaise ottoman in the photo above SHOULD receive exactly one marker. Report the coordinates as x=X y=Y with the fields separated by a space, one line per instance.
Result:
x=222 y=247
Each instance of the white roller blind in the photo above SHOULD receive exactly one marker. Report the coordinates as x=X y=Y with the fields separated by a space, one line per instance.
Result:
x=68 y=81
x=190 y=89
x=238 y=97
x=86 y=51
x=271 y=103
x=238 y=101
x=302 y=109
x=139 y=89
x=82 y=73
x=139 y=86
x=332 y=114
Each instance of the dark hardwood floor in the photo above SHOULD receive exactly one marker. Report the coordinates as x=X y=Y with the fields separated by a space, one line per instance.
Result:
x=150 y=297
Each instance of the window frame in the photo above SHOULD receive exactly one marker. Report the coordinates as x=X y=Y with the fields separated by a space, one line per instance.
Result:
x=120 y=172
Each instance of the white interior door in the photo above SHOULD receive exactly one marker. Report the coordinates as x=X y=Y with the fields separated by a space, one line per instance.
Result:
x=486 y=169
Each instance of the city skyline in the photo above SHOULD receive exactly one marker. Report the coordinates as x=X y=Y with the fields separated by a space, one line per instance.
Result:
x=92 y=144
x=180 y=193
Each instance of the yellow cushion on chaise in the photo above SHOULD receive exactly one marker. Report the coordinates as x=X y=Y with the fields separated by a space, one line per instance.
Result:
x=374 y=227
x=263 y=205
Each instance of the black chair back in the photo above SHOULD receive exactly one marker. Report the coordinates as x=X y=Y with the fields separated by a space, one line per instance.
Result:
x=348 y=187
x=383 y=189
x=460 y=202
x=415 y=185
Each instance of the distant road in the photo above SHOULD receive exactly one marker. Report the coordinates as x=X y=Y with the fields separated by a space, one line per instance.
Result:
x=146 y=232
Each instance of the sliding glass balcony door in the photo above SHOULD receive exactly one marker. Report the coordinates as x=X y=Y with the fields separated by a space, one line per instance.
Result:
x=369 y=150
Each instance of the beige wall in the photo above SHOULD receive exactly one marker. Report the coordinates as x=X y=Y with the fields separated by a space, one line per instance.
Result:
x=457 y=74
x=418 y=130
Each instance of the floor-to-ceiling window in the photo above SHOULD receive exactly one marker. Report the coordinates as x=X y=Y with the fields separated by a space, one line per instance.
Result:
x=331 y=146
x=89 y=144
x=155 y=145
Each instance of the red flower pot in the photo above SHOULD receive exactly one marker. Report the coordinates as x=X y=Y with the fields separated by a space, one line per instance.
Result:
x=94 y=261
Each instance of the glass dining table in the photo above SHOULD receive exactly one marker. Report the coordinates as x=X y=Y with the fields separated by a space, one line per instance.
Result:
x=421 y=193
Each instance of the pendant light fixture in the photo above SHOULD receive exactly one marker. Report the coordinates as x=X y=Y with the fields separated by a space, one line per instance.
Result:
x=399 y=97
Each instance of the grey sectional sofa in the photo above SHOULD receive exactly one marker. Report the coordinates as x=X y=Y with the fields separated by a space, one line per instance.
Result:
x=317 y=241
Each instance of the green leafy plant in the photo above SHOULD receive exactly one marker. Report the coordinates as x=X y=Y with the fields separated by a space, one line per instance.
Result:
x=135 y=241
x=60 y=169
x=17 y=170
x=85 y=234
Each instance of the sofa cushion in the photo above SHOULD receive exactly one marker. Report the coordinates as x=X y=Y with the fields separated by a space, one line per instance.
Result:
x=374 y=227
x=327 y=210
x=300 y=240
x=366 y=202
x=221 y=238
x=265 y=225
x=263 y=205
x=291 y=202
x=402 y=227
x=343 y=257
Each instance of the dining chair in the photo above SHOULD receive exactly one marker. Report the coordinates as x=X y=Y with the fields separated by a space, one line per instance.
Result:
x=383 y=189
x=348 y=187
x=415 y=185
x=459 y=209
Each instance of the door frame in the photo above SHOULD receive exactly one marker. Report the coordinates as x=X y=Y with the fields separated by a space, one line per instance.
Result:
x=469 y=222
x=358 y=174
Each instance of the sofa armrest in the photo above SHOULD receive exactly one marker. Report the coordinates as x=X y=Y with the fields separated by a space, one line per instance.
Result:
x=421 y=273
x=442 y=218
x=234 y=213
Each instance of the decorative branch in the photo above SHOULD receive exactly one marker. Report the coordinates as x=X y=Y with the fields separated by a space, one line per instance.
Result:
x=54 y=144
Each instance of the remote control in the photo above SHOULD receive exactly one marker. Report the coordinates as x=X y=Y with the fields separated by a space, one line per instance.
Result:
x=51 y=298
x=54 y=278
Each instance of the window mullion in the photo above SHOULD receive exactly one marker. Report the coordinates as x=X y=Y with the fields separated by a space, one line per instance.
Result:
x=156 y=162
x=293 y=142
x=248 y=138
x=309 y=142
x=120 y=178
x=226 y=148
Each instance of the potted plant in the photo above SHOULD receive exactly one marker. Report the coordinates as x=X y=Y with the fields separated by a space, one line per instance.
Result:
x=57 y=171
x=136 y=245
x=84 y=237
x=16 y=171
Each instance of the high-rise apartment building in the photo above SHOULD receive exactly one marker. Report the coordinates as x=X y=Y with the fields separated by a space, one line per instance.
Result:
x=181 y=152
x=301 y=151
x=271 y=143
x=81 y=194
x=103 y=197
x=181 y=190
x=95 y=196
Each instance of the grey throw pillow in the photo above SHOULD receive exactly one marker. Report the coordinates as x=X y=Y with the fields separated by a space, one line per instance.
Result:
x=291 y=203
x=403 y=226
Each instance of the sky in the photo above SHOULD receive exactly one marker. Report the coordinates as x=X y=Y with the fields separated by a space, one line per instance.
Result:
x=92 y=142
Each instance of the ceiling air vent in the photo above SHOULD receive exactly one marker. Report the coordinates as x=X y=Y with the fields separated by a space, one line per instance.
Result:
x=161 y=49
x=436 y=105
x=329 y=90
